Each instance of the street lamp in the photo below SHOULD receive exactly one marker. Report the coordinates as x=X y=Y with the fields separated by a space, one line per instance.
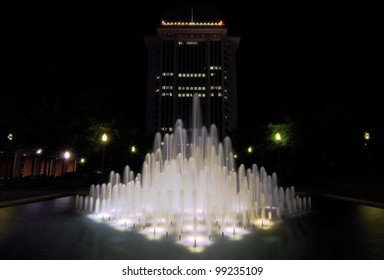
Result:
x=278 y=140
x=133 y=149
x=37 y=160
x=367 y=138
x=278 y=137
x=104 y=139
x=66 y=156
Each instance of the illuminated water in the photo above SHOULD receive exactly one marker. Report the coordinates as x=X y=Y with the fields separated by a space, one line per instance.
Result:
x=53 y=229
x=190 y=190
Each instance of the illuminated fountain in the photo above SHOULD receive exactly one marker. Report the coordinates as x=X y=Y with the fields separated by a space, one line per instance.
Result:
x=190 y=190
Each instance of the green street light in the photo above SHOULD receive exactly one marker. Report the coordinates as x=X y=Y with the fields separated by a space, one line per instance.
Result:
x=133 y=149
x=278 y=137
x=279 y=140
x=250 y=150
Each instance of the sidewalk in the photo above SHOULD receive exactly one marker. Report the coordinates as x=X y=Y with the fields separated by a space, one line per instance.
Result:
x=9 y=197
x=27 y=191
x=371 y=194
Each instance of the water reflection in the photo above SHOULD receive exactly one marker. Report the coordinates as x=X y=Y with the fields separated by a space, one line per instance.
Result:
x=53 y=229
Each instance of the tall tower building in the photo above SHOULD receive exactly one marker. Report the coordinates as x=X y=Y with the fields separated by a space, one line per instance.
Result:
x=185 y=58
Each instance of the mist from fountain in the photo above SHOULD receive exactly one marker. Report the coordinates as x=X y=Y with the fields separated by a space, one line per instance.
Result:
x=190 y=189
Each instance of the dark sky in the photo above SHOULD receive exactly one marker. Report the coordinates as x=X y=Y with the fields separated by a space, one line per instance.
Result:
x=291 y=57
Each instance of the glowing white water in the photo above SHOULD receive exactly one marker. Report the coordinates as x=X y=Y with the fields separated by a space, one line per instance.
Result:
x=189 y=188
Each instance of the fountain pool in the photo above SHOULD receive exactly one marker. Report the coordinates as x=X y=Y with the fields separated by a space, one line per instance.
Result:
x=191 y=190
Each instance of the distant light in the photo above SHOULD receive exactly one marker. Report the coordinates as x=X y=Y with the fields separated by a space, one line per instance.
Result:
x=82 y=160
x=10 y=136
x=104 y=137
x=67 y=155
x=235 y=155
x=39 y=151
x=250 y=149
x=133 y=149
x=278 y=136
x=367 y=136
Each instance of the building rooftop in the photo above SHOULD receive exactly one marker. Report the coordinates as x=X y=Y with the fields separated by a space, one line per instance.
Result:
x=191 y=23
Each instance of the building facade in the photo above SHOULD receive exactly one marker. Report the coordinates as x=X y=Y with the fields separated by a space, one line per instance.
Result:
x=24 y=163
x=187 y=58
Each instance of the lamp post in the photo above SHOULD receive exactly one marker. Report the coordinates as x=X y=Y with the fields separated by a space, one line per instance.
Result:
x=39 y=153
x=104 y=139
x=278 y=140
x=66 y=155
x=367 y=138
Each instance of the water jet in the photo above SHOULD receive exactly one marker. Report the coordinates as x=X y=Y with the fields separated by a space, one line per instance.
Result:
x=190 y=184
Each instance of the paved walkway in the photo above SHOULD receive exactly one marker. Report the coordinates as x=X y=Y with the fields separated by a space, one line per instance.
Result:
x=364 y=193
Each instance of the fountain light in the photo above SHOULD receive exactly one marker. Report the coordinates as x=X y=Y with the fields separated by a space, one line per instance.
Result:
x=191 y=189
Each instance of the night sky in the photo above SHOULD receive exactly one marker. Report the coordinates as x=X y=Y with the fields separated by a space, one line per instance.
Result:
x=289 y=55
x=293 y=58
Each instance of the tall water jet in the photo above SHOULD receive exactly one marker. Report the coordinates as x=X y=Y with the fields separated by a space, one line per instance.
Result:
x=190 y=188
